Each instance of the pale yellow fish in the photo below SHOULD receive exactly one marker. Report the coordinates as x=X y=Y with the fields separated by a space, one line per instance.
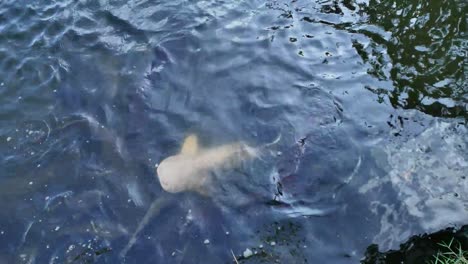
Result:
x=193 y=167
x=191 y=170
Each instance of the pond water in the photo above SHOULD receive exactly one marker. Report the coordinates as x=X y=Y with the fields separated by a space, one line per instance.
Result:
x=369 y=97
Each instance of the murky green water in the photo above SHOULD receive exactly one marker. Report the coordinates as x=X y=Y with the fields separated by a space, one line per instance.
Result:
x=370 y=100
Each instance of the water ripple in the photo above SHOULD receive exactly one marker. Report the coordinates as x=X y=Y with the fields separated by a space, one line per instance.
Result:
x=94 y=94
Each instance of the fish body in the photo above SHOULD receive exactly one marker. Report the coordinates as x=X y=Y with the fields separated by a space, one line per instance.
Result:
x=193 y=167
x=191 y=170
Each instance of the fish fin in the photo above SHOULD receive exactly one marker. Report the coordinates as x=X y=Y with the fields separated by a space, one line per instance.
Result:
x=190 y=145
x=203 y=187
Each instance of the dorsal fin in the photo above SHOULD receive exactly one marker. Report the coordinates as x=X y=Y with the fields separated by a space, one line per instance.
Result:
x=190 y=145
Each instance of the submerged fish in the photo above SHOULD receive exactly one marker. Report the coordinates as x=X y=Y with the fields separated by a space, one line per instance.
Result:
x=193 y=168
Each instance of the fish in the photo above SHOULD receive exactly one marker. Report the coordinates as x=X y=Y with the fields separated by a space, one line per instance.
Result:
x=194 y=167
x=191 y=170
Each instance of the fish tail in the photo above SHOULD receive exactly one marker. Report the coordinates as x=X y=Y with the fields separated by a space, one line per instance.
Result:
x=274 y=142
x=252 y=152
x=154 y=209
x=259 y=151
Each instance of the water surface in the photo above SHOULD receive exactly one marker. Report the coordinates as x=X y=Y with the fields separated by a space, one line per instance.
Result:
x=370 y=99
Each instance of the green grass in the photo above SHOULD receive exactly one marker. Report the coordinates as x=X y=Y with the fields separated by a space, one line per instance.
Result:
x=450 y=254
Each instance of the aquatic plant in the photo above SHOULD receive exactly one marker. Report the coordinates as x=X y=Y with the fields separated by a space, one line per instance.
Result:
x=449 y=255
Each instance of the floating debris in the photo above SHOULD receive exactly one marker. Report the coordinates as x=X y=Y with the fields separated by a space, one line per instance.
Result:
x=247 y=253
x=234 y=256
x=206 y=242
x=50 y=200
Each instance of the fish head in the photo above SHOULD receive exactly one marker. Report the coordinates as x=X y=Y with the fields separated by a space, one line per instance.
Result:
x=180 y=173
x=171 y=175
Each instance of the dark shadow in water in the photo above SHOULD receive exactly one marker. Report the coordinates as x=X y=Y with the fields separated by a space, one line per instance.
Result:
x=423 y=54
x=419 y=249
x=418 y=50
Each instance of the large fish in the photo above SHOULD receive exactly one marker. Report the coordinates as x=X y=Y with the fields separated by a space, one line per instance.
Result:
x=193 y=168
